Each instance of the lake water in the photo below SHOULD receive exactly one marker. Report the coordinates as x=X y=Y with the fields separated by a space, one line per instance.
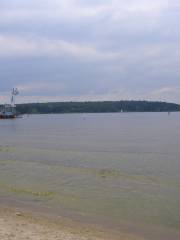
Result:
x=119 y=170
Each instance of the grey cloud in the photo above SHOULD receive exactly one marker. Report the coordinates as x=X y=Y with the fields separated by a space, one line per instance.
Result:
x=91 y=48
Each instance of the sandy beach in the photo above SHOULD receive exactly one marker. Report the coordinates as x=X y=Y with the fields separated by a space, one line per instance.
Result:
x=15 y=225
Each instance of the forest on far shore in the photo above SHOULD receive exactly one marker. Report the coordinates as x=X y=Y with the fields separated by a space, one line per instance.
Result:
x=96 y=107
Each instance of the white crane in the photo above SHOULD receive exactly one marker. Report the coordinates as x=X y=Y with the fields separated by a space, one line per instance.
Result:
x=9 y=110
x=14 y=93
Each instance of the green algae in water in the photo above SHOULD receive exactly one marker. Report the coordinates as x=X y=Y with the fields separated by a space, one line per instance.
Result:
x=7 y=162
x=7 y=149
x=48 y=194
x=30 y=192
x=106 y=192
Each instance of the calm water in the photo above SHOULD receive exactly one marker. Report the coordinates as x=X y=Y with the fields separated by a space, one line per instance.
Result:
x=117 y=168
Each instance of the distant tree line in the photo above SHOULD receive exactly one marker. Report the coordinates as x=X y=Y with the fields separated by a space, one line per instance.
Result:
x=96 y=107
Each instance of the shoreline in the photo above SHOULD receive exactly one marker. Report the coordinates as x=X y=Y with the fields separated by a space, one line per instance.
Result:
x=22 y=224
x=17 y=224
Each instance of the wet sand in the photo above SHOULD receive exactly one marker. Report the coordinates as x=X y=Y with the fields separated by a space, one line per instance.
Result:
x=16 y=225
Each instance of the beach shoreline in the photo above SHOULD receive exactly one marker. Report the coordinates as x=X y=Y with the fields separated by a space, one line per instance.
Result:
x=16 y=224
x=20 y=223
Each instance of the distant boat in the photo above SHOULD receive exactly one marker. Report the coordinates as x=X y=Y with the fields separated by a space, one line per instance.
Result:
x=8 y=111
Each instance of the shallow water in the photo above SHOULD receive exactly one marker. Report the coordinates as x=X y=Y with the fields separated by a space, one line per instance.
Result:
x=118 y=168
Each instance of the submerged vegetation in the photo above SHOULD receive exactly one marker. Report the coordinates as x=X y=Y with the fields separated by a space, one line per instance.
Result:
x=110 y=192
x=26 y=191
x=48 y=194
x=96 y=107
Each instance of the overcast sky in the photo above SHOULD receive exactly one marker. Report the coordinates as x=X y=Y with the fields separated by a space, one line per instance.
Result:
x=58 y=50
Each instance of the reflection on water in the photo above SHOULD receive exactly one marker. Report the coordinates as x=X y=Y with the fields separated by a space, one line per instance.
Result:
x=120 y=167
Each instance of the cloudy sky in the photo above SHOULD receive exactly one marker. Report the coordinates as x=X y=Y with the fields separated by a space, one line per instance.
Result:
x=59 y=50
